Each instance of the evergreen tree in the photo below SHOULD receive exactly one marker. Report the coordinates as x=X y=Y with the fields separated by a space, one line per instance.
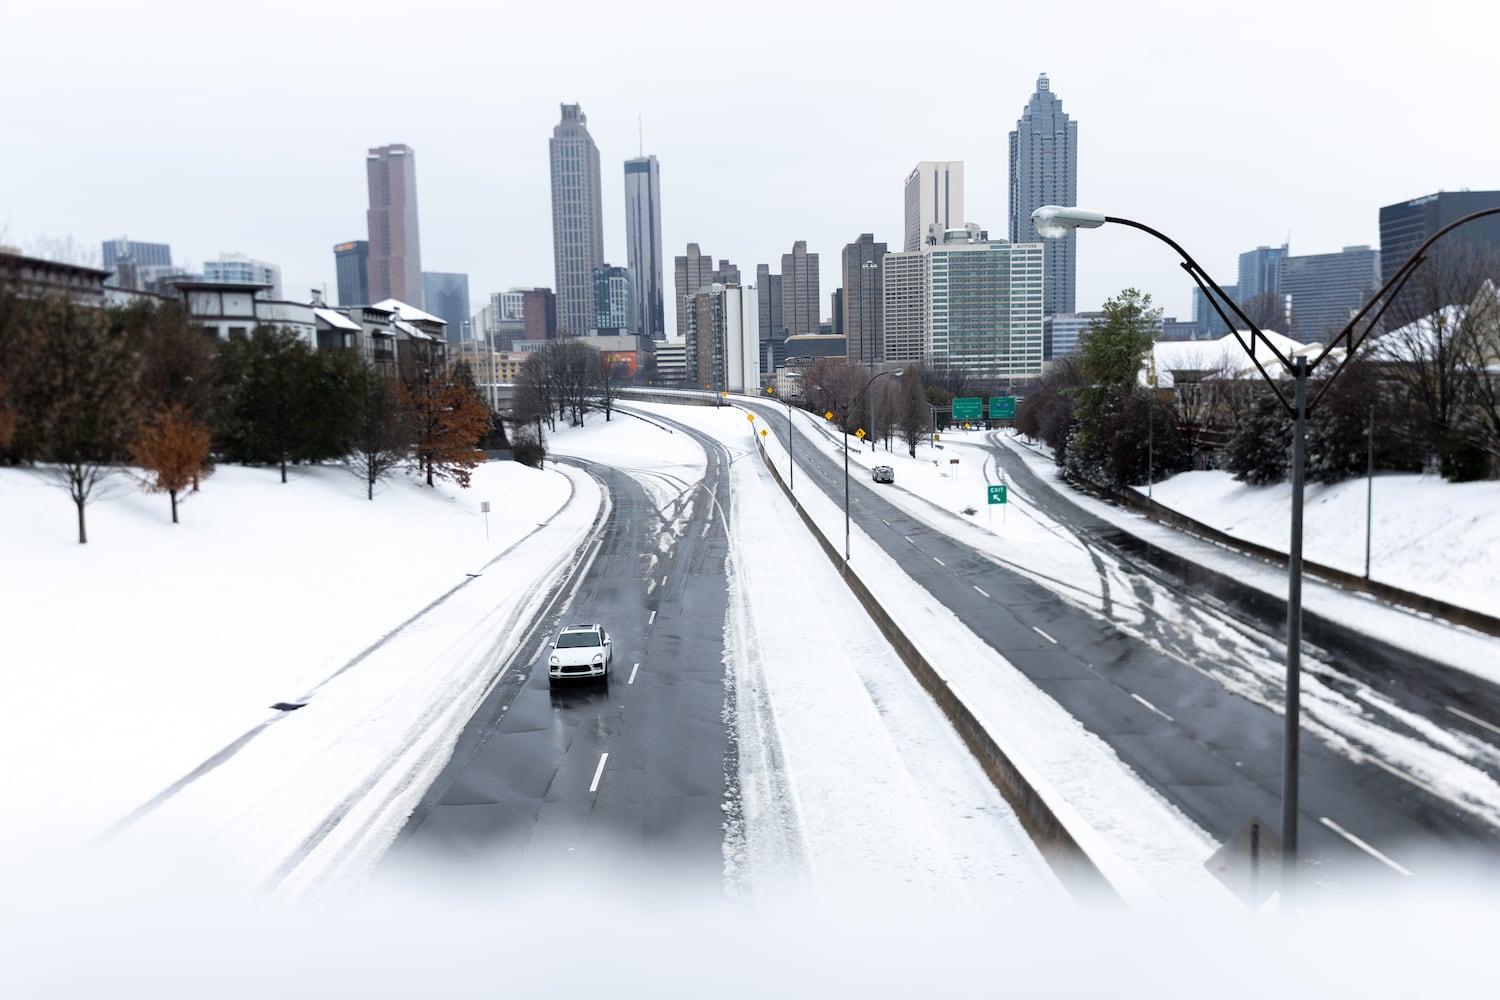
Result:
x=81 y=398
x=1259 y=449
x=1111 y=354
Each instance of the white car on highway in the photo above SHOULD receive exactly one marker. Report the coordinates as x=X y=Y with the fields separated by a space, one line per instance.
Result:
x=580 y=652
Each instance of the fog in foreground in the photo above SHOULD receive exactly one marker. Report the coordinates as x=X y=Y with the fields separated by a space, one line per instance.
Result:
x=160 y=927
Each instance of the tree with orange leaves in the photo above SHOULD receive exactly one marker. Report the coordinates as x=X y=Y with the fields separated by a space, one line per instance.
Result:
x=172 y=448
x=449 y=420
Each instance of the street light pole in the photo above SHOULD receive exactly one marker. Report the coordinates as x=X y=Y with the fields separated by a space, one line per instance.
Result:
x=849 y=408
x=1055 y=222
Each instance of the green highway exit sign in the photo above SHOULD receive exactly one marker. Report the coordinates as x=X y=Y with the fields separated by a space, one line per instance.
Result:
x=997 y=494
x=1002 y=407
x=968 y=407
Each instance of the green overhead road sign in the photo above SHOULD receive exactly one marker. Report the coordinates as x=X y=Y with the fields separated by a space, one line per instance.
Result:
x=968 y=407
x=1002 y=407
x=997 y=494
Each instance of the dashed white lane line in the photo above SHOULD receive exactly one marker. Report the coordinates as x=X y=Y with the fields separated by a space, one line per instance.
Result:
x=599 y=771
x=908 y=540
x=1153 y=708
x=1044 y=635
x=664 y=579
x=1474 y=719
x=652 y=619
x=980 y=589
x=632 y=673
x=938 y=561
x=1372 y=852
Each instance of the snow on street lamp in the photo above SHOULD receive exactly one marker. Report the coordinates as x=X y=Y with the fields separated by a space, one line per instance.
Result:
x=1056 y=222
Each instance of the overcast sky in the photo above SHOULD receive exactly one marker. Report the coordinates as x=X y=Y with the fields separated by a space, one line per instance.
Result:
x=245 y=130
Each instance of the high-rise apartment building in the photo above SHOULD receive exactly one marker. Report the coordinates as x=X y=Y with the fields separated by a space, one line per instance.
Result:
x=614 y=301
x=985 y=307
x=643 y=244
x=863 y=299
x=1325 y=289
x=904 y=314
x=236 y=267
x=800 y=297
x=577 y=219
x=447 y=296
x=395 y=268
x=934 y=197
x=351 y=262
x=1044 y=171
x=723 y=347
x=966 y=303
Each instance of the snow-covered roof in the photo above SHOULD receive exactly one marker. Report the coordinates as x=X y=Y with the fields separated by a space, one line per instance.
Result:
x=408 y=312
x=335 y=319
x=1224 y=357
x=412 y=331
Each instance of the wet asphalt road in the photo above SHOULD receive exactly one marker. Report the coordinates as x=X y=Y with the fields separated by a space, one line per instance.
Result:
x=1213 y=754
x=580 y=773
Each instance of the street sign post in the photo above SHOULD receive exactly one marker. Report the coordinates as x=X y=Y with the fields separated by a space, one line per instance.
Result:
x=1002 y=407
x=1239 y=861
x=968 y=407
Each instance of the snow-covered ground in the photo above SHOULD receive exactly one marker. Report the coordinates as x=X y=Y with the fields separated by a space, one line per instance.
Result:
x=131 y=661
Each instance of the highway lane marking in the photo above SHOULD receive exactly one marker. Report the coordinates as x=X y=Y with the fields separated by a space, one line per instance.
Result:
x=632 y=673
x=664 y=579
x=885 y=522
x=1153 y=708
x=1474 y=719
x=977 y=587
x=938 y=561
x=1044 y=635
x=651 y=619
x=1372 y=852
x=1397 y=772
x=599 y=771
x=908 y=540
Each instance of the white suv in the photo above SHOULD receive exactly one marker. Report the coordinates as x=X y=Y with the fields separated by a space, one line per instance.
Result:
x=581 y=651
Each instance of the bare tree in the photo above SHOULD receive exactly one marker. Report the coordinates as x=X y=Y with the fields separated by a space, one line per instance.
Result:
x=1479 y=358
x=1267 y=311
x=1434 y=351
x=913 y=416
x=382 y=438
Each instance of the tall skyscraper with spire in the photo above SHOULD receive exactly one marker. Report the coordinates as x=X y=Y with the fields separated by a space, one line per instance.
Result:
x=577 y=220
x=643 y=243
x=1044 y=171
x=395 y=261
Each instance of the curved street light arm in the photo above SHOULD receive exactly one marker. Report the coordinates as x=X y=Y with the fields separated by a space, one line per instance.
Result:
x=1215 y=295
x=1384 y=297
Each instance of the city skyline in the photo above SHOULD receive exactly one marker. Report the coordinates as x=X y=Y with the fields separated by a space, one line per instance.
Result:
x=746 y=192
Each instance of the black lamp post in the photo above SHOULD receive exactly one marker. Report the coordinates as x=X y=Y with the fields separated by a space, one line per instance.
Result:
x=1055 y=222
x=848 y=408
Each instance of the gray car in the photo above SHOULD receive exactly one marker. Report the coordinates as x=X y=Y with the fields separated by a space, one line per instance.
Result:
x=883 y=474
